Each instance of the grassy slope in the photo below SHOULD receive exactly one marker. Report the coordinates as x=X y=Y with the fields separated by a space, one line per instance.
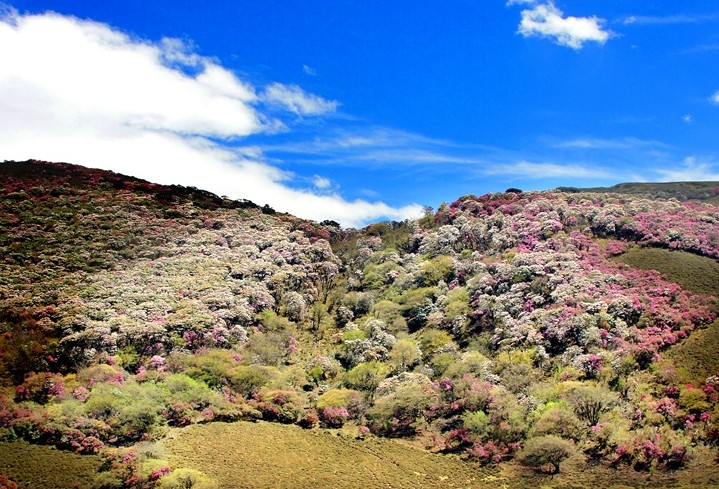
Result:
x=265 y=455
x=697 y=357
x=693 y=272
x=270 y=455
x=45 y=467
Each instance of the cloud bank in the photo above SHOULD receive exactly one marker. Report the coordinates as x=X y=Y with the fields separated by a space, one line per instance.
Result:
x=82 y=92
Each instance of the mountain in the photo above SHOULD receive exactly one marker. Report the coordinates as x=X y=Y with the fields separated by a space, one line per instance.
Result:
x=513 y=329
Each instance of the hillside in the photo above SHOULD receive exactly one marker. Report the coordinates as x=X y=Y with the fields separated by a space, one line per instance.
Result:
x=500 y=327
x=683 y=191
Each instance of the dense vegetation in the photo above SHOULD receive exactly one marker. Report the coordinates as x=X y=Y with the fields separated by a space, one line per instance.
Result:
x=500 y=327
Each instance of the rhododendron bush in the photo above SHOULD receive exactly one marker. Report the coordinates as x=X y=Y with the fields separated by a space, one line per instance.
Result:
x=128 y=307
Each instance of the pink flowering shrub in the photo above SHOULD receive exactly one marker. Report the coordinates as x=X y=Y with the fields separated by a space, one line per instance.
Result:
x=40 y=387
x=615 y=248
x=284 y=406
x=334 y=417
x=310 y=419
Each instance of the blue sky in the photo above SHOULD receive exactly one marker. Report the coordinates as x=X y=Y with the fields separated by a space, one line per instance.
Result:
x=362 y=110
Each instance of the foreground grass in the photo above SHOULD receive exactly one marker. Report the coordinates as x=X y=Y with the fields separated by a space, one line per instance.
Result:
x=267 y=455
x=264 y=455
x=40 y=466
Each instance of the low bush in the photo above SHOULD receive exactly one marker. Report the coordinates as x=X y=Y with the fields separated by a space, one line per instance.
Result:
x=545 y=452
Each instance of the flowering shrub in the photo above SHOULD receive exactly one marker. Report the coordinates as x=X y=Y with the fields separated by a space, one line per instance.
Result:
x=284 y=406
x=334 y=417
x=40 y=387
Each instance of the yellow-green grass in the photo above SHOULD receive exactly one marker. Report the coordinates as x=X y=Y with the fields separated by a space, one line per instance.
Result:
x=40 y=466
x=697 y=357
x=696 y=273
x=264 y=455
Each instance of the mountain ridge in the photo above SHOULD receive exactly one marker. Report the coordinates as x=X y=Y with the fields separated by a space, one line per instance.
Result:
x=682 y=190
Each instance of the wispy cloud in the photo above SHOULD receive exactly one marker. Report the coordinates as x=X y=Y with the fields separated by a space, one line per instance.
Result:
x=321 y=182
x=544 y=19
x=296 y=100
x=383 y=146
x=359 y=143
x=628 y=143
x=526 y=169
x=82 y=92
x=309 y=70
x=701 y=48
x=670 y=19
x=691 y=169
x=715 y=98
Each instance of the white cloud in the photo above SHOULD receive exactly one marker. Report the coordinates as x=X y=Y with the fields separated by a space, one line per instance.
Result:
x=715 y=98
x=81 y=92
x=379 y=145
x=309 y=70
x=546 y=20
x=527 y=169
x=618 y=143
x=690 y=170
x=321 y=182
x=296 y=100
x=688 y=118
x=670 y=19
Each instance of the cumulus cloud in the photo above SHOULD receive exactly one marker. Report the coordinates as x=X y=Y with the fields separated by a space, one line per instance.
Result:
x=691 y=170
x=715 y=98
x=82 y=92
x=74 y=72
x=296 y=100
x=546 y=20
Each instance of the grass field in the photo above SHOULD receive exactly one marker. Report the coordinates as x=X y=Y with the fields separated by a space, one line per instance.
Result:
x=264 y=455
x=697 y=357
x=273 y=455
x=43 y=467
x=696 y=273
